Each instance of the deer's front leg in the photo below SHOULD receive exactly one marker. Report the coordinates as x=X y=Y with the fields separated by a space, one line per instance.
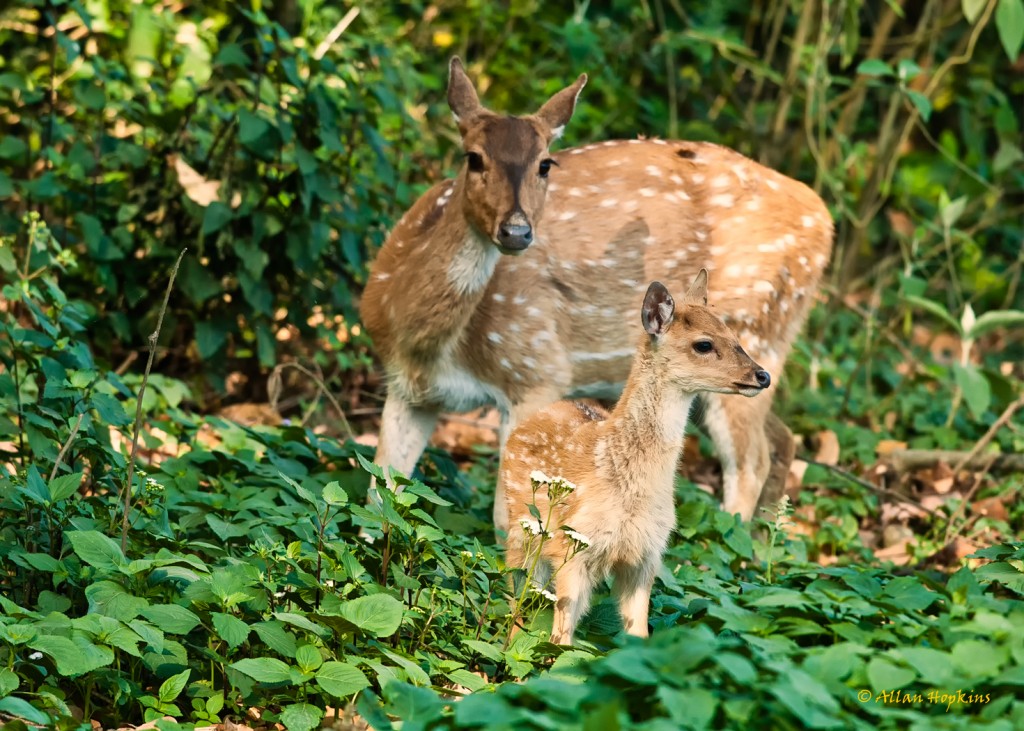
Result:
x=572 y=587
x=633 y=591
x=404 y=432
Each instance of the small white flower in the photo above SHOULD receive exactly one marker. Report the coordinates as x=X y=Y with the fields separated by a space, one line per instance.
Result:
x=279 y=595
x=564 y=484
x=533 y=527
x=467 y=554
x=577 y=536
x=538 y=476
x=544 y=593
x=35 y=656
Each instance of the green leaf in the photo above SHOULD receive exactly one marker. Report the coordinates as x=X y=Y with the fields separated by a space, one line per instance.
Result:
x=378 y=614
x=334 y=494
x=20 y=708
x=263 y=669
x=96 y=549
x=972 y=9
x=995 y=319
x=112 y=600
x=691 y=708
x=210 y=338
x=979 y=658
x=9 y=682
x=215 y=217
x=1010 y=24
x=300 y=717
x=950 y=211
x=277 y=638
x=230 y=628
x=886 y=675
x=976 y=388
x=252 y=130
x=934 y=308
x=64 y=486
x=73 y=657
x=172 y=687
x=875 y=67
x=341 y=679
x=308 y=658
x=412 y=702
x=468 y=680
x=484 y=649
x=171 y=618
x=921 y=102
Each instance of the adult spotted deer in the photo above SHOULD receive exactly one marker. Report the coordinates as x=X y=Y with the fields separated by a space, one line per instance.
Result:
x=615 y=473
x=509 y=284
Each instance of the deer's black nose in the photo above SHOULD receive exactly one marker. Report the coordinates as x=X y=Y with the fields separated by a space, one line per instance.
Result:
x=515 y=237
x=763 y=378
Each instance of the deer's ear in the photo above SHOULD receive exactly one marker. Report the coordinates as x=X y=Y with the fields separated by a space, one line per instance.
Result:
x=658 y=311
x=462 y=98
x=698 y=292
x=557 y=111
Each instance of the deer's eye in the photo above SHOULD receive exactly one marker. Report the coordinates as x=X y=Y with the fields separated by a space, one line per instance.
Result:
x=475 y=162
x=703 y=346
x=545 y=167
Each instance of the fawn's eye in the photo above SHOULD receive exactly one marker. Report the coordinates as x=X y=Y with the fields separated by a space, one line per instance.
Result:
x=475 y=162
x=545 y=167
x=703 y=346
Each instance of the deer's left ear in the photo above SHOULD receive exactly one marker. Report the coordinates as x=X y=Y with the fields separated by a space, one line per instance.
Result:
x=698 y=292
x=557 y=111
x=658 y=311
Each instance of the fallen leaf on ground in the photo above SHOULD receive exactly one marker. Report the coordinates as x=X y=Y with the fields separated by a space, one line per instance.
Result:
x=828 y=448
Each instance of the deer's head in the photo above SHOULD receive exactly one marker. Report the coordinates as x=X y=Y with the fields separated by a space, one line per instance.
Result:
x=698 y=350
x=506 y=160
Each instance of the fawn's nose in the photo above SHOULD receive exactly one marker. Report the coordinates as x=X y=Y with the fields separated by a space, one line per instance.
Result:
x=763 y=378
x=515 y=236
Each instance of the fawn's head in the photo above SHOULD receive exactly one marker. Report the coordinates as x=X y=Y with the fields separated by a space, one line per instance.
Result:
x=700 y=352
x=507 y=160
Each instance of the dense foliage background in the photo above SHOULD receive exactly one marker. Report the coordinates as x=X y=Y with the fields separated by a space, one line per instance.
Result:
x=218 y=570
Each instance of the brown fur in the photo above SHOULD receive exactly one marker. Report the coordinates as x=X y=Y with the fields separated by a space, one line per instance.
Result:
x=459 y=326
x=623 y=466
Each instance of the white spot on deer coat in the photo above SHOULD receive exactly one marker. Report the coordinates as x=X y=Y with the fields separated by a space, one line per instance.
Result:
x=723 y=200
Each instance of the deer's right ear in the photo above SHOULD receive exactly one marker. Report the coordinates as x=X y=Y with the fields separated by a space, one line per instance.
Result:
x=462 y=98
x=658 y=311
x=557 y=111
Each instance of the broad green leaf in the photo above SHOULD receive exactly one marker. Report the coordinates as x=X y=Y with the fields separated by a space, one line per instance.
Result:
x=171 y=618
x=21 y=708
x=230 y=628
x=932 y=665
x=409 y=701
x=995 y=319
x=483 y=648
x=9 y=682
x=298 y=620
x=308 y=658
x=263 y=669
x=334 y=494
x=693 y=708
x=468 y=680
x=875 y=67
x=301 y=717
x=979 y=658
x=1010 y=24
x=216 y=217
x=976 y=388
x=96 y=549
x=950 y=210
x=341 y=679
x=73 y=657
x=934 y=308
x=277 y=638
x=64 y=486
x=112 y=600
x=885 y=675
x=378 y=614
x=172 y=687
x=922 y=103
x=972 y=9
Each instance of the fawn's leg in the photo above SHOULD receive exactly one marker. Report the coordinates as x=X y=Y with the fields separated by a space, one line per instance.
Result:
x=737 y=427
x=404 y=432
x=781 y=451
x=633 y=590
x=572 y=587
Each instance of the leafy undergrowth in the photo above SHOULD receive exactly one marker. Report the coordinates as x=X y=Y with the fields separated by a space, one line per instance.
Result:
x=231 y=582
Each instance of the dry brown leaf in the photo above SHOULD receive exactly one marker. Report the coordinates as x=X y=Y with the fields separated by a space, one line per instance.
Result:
x=888 y=446
x=251 y=414
x=898 y=553
x=795 y=478
x=935 y=502
x=828 y=448
x=149 y=725
x=197 y=188
x=992 y=507
x=459 y=434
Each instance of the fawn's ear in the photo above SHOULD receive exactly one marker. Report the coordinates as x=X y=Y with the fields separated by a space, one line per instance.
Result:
x=698 y=292
x=462 y=98
x=557 y=111
x=658 y=310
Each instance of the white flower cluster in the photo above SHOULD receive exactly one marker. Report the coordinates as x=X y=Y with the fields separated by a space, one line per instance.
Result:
x=557 y=486
x=544 y=593
x=533 y=527
x=152 y=485
x=581 y=540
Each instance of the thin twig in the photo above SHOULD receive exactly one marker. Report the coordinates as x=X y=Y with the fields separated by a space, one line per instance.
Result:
x=274 y=389
x=67 y=446
x=868 y=486
x=998 y=424
x=335 y=33
x=962 y=507
x=125 y=524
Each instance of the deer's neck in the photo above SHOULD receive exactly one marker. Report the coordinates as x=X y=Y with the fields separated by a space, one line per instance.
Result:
x=647 y=427
x=440 y=277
